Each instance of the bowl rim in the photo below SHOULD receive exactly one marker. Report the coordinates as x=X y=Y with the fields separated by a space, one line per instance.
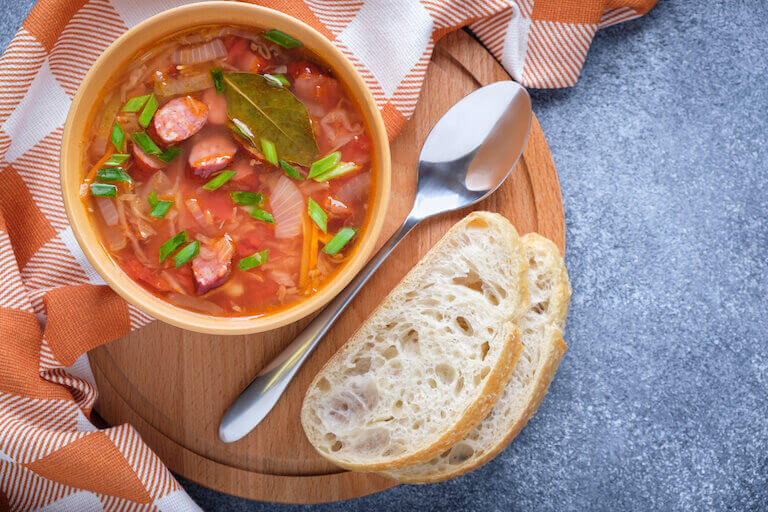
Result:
x=162 y=25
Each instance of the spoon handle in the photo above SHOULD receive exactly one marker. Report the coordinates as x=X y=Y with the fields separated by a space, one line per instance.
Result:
x=261 y=395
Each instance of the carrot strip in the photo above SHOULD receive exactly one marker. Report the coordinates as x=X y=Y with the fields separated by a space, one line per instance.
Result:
x=313 y=247
x=313 y=253
x=324 y=237
x=304 y=272
x=92 y=173
x=92 y=176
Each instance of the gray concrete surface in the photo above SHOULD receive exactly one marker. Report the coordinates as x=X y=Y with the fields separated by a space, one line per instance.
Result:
x=661 y=401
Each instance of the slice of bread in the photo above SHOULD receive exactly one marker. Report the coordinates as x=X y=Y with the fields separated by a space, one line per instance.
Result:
x=541 y=329
x=431 y=360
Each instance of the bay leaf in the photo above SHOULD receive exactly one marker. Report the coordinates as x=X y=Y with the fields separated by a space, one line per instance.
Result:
x=259 y=109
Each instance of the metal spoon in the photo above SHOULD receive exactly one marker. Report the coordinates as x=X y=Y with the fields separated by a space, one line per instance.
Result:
x=467 y=155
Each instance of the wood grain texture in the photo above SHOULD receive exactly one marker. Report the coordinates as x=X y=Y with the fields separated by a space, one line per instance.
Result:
x=173 y=385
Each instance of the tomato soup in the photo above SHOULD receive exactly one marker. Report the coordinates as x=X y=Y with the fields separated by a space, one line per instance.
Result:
x=228 y=171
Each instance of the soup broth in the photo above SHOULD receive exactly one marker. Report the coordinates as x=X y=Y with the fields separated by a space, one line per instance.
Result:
x=228 y=171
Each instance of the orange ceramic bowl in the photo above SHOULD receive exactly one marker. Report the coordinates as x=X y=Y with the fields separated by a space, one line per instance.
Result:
x=73 y=160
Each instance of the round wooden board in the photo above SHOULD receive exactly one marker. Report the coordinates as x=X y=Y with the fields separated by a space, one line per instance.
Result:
x=173 y=385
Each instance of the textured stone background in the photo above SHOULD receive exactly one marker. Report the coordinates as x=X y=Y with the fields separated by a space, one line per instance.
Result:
x=661 y=401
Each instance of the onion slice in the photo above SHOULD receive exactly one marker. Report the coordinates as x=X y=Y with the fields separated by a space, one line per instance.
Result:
x=108 y=210
x=287 y=204
x=195 y=54
x=115 y=239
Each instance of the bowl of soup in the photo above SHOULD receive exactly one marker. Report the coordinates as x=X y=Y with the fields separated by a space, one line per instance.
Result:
x=225 y=168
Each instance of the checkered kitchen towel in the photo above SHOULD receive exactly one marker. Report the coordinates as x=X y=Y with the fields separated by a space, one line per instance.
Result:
x=53 y=306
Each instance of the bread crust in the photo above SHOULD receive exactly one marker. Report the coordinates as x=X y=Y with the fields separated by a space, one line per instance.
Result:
x=496 y=381
x=555 y=347
x=544 y=378
x=561 y=292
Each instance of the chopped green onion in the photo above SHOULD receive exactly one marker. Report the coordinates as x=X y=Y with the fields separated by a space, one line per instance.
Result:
x=169 y=154
x=290 y=171
x=240 y=197
x=219 y=180
x=254 y=260
x=187 y=253
x=117 y=137
x=281 y=38
x=340 y=170
x=218 y=79
x=270 y=153
x=117 y=159
x=112 y=174
x=159 y=208
x=152 y=199
x=325 y=164
x=259 y=214
x=103 y=190
x=318 y=215
x=172 y=244
x=134 y=104
x=146 y=144
x=148 y=111
x=277 y=80
x=339 y=240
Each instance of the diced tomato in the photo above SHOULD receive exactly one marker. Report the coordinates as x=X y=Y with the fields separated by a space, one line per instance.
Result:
x=183 y=276
x=246 y=177
x=241 y=57
x=303 y=69
x=230 y=41
x=217 y=106
x=141 y=273
x=238 y=46
x=357 y=150
x=253 y=239
x=317 y=90
x=218 y=203
x=336 y=207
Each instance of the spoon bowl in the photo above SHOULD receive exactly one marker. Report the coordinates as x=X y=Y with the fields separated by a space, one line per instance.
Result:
x=467 y=155
x=472 y=149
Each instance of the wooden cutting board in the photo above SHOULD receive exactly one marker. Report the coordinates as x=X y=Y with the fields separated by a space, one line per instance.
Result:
x=173 y=385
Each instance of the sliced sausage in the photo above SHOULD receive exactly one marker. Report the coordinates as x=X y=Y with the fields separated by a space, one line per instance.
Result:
x=212 y=266
x=147 y=163
x=217 y=106
x=211 y=154
x=179 y=119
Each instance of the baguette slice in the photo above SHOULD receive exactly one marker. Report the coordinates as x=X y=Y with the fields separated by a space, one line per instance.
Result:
x=431 y=360
x=543 y=346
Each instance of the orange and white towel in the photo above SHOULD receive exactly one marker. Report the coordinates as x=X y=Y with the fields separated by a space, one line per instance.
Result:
x=54 y=307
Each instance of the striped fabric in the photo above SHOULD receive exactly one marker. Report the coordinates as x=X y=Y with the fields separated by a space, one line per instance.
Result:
x=54 y=307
